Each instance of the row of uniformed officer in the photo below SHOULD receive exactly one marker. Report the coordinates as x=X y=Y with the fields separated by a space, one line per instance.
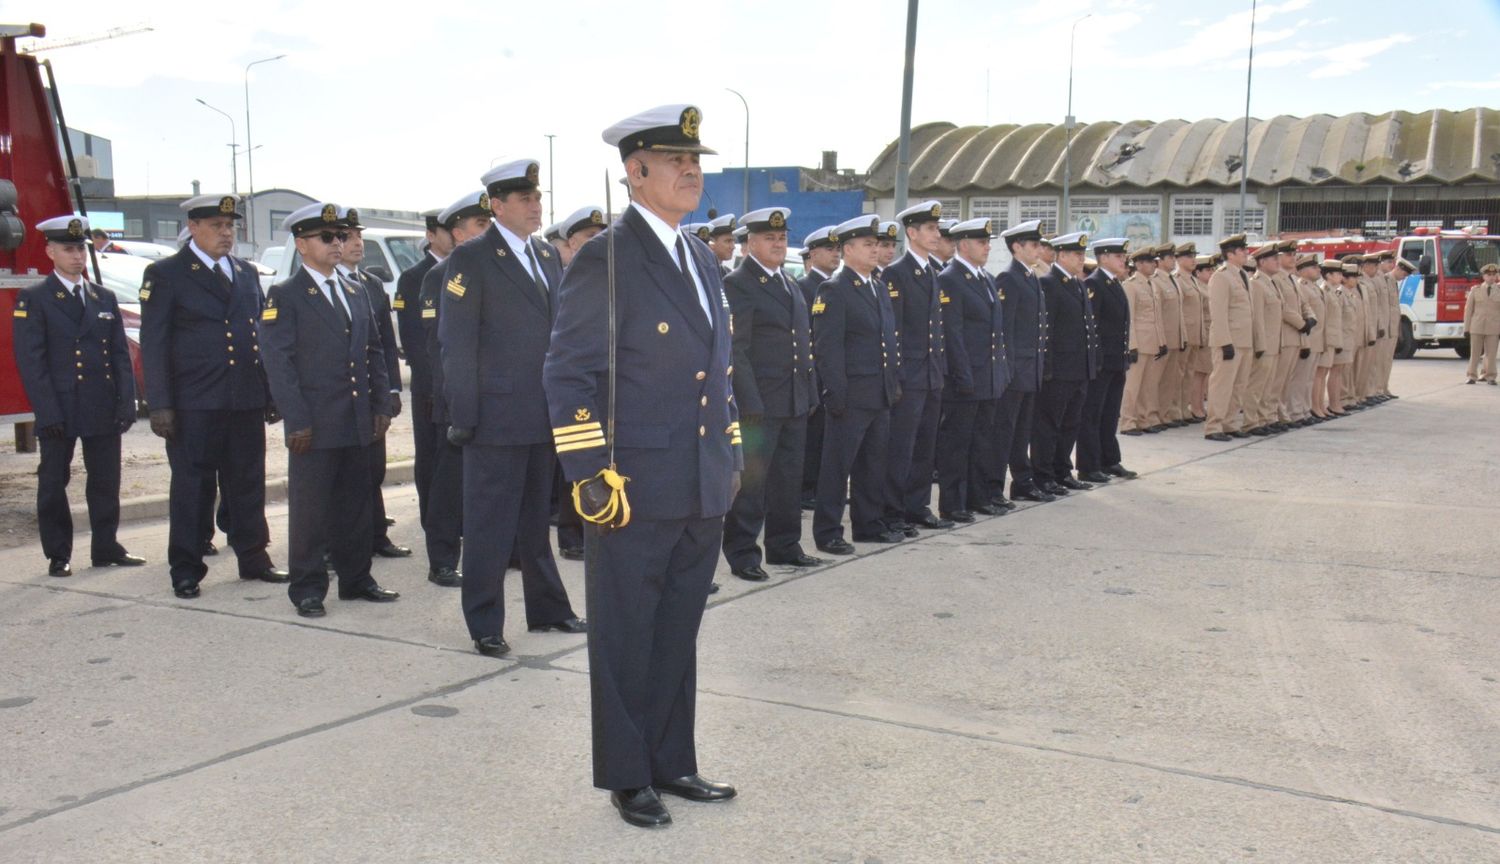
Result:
x=75 y=368
x=820 y=258
x=1071 y=362
x=1099 y=456
x=1026 y=333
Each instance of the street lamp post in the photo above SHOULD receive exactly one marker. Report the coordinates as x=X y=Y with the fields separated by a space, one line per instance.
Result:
x=1245 y=145
x=234 y=149
x=746 y=206
x=1068 y=127
x=551 y=206
x=249 y=151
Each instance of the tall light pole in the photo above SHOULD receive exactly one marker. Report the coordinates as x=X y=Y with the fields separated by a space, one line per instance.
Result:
x=234 y=149
x=903 y=145
x=746 y=207
x=249 y=151
x=1068 y=128
x=551 y=206
x=1245 y=147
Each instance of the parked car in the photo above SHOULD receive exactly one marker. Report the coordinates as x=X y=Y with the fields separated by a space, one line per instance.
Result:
x=388 y=253
x=144 y=250
x=122 y=274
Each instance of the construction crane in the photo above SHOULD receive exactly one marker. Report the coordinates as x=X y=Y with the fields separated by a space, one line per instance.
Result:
x=112 y=33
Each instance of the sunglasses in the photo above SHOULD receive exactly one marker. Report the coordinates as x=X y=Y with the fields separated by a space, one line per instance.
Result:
x=330 y=237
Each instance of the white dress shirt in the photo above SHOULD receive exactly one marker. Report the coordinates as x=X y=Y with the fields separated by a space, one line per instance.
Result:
x=669 y=237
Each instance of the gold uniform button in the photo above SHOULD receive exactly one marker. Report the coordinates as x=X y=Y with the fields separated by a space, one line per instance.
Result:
x=80 y=377
x=228 y=334
x=703 y=401
x=700 y=376
x=231 y=348
x=78 y=353
x=231 y=361
x=351 y=379
x=702 y=431
x=355 y=394
x=80 y=365
x=729 y=371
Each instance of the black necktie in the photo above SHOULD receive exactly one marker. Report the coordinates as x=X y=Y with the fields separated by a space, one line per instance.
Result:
x=218 y=271
x=338 y=305
x=536 y=275
x=688 y=275
x=78 y=297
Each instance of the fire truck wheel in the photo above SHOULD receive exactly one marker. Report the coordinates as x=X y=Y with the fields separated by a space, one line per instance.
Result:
x=1406 y=346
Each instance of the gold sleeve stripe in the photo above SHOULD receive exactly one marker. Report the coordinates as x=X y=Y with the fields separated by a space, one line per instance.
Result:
x=581 y=445
x=18 y=313
x=734 y=440
x=578 y=436
x=564 y=430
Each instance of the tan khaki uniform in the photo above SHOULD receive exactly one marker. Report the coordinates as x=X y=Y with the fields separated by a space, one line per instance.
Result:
x=1392 y=332
x=1293 y=317
x=1262 y=397
x=1482 y=323
x=1298 y=396
x=1353 y=331
x=1143 y=379
x=1204 y=361
x=1369 y=315
x=1332 y=326
x=1231 y=322
x=1169 y=306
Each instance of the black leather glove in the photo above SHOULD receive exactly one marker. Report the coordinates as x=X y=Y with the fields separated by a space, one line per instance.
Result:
x=1134 y=356
x=1161 y=352
x=1338 y=350
x=164 y=423
x=964 y=391
x=272 y=415
x=300 y=441
x=458 y=436
x=394 y=404
x=1228 y=352
x=1380 y=333
x=123 y=424
x=1259 y=354
x=53 y=431
x=1304 y=353
x=382 y=424
x=1370 y=343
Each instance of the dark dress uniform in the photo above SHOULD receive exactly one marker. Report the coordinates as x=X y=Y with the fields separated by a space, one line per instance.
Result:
x=859 y=368
x=1098 y=446
x=75 y=367
x=1072 y=361
x=443 y=528
x=914 y=419
x=494 y=327
x=977 y=373
x=408 y=309
x=380 y=309
x=1026 y=347
x=774 y=388
x=677 y=439
x=812 y=451
x=327 y=373
x=201 y=357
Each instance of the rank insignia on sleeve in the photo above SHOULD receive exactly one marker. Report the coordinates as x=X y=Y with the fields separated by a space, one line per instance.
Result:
x=818 y=307
x=456 y=285
x=399 y=303
x=895 y=295
x=582 y=415
x=943 y=298
x=269 y=313
x=145 y=293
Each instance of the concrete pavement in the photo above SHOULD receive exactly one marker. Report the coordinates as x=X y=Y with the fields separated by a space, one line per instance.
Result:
x=1273 y=650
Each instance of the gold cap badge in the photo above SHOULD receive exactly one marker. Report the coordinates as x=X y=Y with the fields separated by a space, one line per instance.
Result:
x=690 y=120
x=330 y=213
x=226 y=205
x=778 y=221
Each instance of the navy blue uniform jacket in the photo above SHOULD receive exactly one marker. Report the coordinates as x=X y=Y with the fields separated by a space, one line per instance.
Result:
x=919 y=322
x=773 y=359
x=408 y=309
x=1112 y=314
x=1072 y=340
x=323 y=375
x=494 y=327
x=1025 y=326
x=974 y=336
x=74 y=365
x=854 y=338
x=677 y=433
x=199 y=346
x=380 y=310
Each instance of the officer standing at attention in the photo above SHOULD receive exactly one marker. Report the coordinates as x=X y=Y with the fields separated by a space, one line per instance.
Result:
x=820 y=257
x=1194 y=358
x=655 y=495
x=859 y=368
x=1233 y=332
x=464 y=219
x=75 y=368
x=408 y=306
x=314 y=333
x=1072 y=361
x=886 y=236
x=1148 y=348
x=498 y=303
x=919 y=327
x=1026 y=346
x=976 y=374
x=1098 y=447
x=774 y=386
x=577 y=229
x=721 y=240
x=947 y=247
x=380 y=308
x=207 y=392
x=1265 y=304
x=1169 y=302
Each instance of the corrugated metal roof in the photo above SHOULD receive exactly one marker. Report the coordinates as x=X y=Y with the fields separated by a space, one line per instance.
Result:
x=1396 y=147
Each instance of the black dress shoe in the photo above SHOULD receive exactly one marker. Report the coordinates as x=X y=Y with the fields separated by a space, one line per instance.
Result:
x=209 y=549
x=1131 y=432
x=124 y=559
x=389 y=521
x=1260 y=431
x=571 y=553
x=1070 y=483
x=801 y=559
x=59 y=567
x=695 y=788
x=492 y=646
x=962 y=516
x=989 y=510
x=1031 y=495
x=567 y=625
x=641 y=807
x=1177 y=424
x=1239 y=433
x=1197 y=419
x=1095 y=476
x=880 y=537
x=447 y=577
x=187 y=592
x=838 y=546
x=1154 y=430
x=713 y=587
x=391 y=550
x=373 y=593
x=907 y=530
x=809 y=503
x=1217 y=436
x=270 y=574
x=927 y=520
x=1119 y=470
x=753 y=573
x=1002 y=501
x=1052 y=489
x=311 y=607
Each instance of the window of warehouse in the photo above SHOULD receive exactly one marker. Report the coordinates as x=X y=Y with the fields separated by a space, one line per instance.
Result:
x=951 y=207
x=1192 y=216
x=166 y=229
x=1140 y=204
x=135 y=228
x=1086 y=213
x=1253 y=223
x=997 y=209
x=1044 y=209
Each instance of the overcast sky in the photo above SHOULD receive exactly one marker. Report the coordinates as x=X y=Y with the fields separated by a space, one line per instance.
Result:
x=406 y=105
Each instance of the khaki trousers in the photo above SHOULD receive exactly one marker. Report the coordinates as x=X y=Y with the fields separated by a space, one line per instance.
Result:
x=1142 y=384
x=1298 y=395
x=1258 y=392
x=1285 y=363
x=1387 y=361
x=1354 y=376
x=1226 y=389
x=1169 y=395
x=1486 y=345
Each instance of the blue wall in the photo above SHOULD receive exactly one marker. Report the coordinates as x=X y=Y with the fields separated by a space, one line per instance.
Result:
x=725 y=192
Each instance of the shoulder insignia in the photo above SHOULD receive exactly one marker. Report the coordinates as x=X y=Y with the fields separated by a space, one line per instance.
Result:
x=350 y=289
x=145 y=292
x=582 y=415
x=19 y=311
x=943 y=297
x=500 y=252
x=456 y=285
x=398 y=304
x=818 y=307
x=61 y=295
x=546 y=253
x=919 y=271
x=269 y=313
